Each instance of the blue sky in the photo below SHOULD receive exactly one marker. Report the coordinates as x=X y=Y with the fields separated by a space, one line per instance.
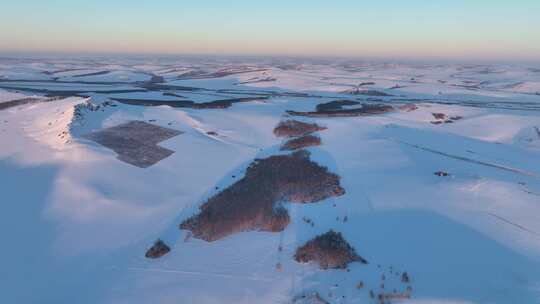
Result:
x=446 y=29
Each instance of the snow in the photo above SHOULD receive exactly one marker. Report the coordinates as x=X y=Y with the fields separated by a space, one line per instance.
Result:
x=78 y=220
x=110 y=76
x=8 y=96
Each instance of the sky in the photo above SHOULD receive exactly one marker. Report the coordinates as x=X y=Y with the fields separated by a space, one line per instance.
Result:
x=492 y=29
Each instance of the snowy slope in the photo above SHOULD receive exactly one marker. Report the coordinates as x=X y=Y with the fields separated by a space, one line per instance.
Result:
x=79 y=220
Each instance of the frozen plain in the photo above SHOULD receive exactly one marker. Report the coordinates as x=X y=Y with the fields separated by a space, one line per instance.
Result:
x=77 y=220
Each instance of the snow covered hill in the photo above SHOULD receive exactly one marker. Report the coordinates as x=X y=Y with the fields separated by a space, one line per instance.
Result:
x=268 y=181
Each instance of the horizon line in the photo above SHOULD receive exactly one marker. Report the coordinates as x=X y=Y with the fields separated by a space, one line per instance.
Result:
x=401 y=58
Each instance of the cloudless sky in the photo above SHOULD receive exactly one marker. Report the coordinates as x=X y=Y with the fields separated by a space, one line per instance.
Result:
x=506 y=29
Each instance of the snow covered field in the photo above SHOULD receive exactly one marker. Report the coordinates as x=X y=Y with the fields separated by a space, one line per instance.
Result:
x=444 y=186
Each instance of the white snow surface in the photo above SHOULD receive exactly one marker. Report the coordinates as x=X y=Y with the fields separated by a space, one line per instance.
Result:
x=77 y=221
